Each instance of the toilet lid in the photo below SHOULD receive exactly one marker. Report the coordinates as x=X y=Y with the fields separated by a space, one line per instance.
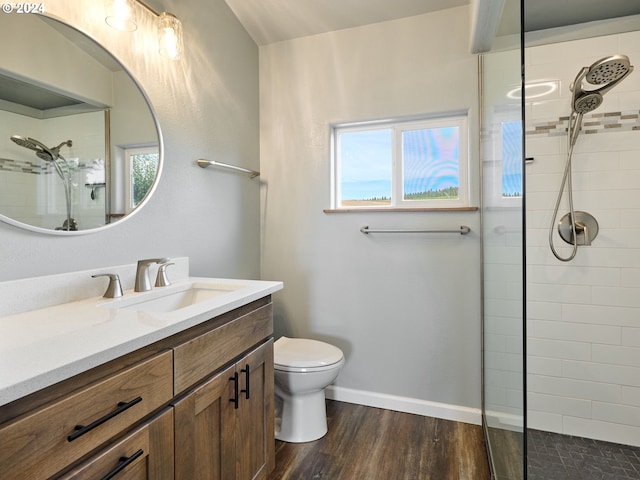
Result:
x=304 y=353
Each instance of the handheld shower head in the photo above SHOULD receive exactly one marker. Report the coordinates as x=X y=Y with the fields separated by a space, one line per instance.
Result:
x=587 y=102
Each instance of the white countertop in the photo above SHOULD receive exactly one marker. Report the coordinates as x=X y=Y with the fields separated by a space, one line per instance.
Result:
x=41 y=347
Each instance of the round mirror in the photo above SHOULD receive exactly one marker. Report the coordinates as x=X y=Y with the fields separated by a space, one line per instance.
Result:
x=80 y=147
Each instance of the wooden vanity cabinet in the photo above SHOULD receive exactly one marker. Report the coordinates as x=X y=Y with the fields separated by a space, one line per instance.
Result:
x=45 y=441
x=224 y=427
x=182 y=421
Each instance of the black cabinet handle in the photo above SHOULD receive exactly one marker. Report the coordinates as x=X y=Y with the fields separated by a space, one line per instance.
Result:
x=126 y=461
x=235 y=398
x=82 y=429
x=246 y=381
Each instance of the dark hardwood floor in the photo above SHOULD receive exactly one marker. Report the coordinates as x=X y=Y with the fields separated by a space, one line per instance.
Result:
x=365 y=443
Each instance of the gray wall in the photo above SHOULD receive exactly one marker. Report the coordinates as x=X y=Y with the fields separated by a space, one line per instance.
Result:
x=207 y=106
x=405 y=309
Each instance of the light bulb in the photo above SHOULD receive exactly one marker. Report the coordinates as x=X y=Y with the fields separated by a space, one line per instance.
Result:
x=119 y=15
x=169 y=36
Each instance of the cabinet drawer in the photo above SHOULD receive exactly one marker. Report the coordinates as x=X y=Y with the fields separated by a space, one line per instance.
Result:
x=41 y=444
x=197 y=358
x=146 y=453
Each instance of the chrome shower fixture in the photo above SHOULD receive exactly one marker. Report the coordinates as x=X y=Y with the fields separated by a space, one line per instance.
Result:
x=580 y=228
x=608 y=72
x=59 y=163
x=42 y=151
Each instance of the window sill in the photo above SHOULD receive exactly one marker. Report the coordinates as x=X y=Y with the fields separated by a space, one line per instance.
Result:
x=414 y=210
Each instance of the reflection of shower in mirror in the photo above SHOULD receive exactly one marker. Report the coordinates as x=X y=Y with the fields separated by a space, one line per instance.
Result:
x=61 y=166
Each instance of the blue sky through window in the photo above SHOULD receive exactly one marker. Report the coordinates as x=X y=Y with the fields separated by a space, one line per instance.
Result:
x=431 y=159
x=512 y=159
x=366 y=162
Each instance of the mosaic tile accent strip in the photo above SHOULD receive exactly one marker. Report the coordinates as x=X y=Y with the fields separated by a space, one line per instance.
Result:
x=39 y=168
x=9 y=165
x=593 y=123
x=551 y=456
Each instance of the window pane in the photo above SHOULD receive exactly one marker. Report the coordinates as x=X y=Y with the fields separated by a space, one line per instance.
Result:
x=365 y=159
x=512 y=159
x=143 y=173
x=431 y=164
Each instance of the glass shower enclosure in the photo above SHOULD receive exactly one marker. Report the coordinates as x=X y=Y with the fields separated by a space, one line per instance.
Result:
x=503 y=263
x=561 y=333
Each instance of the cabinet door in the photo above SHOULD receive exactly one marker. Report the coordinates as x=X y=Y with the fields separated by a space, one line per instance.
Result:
x=144 y=454
x=204 y=430
x=224 y=430
x=255 y=442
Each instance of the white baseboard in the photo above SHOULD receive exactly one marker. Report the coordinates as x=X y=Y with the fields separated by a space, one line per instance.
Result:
x=404 y=404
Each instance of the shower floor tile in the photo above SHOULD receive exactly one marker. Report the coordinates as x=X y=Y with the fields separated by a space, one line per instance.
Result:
x=551 y=456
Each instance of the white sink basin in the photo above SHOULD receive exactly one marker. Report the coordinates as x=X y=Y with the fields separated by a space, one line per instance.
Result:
x=170 y=299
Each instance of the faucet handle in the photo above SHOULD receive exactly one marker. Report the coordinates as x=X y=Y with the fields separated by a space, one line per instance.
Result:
x=149 y=261
x=162 y=280
x=114 y=290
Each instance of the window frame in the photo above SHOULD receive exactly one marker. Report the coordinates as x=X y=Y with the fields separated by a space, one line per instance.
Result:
x=398 y=126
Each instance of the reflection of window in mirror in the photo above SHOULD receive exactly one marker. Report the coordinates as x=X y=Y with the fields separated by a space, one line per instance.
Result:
x=142 y=165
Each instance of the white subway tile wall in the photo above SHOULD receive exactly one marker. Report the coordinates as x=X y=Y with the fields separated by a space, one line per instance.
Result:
x=583 y=333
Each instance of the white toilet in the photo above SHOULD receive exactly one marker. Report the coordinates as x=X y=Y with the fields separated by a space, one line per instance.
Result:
x=303 y=369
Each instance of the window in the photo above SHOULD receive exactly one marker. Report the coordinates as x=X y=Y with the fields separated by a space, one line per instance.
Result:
x=412 y=164
x=511 y=142
x=142 y=165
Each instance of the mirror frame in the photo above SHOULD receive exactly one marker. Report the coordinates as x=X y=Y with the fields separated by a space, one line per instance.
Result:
x=47 y=231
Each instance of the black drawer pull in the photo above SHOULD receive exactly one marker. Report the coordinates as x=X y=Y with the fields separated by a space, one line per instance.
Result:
x=82 y=429
x=126 y=461
x=235 y=398
x=245 y=370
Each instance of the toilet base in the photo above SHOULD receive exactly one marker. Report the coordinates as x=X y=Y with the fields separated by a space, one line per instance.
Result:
x=302 y=418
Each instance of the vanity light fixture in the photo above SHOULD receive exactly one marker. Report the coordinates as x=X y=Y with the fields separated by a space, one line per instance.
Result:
x=170 y=44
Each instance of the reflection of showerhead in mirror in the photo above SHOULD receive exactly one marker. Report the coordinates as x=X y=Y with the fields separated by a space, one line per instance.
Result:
x=30 y=143
x=43 y=152
x=606 y=72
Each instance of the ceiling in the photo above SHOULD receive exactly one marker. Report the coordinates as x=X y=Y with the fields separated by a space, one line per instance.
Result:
x=269 y=21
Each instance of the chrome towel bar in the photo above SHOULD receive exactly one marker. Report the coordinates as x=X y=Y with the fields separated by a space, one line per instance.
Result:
x=206 y=163
x=463 y=230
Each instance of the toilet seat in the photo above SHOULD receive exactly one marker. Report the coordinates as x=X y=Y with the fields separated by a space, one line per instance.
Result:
x=305 y=355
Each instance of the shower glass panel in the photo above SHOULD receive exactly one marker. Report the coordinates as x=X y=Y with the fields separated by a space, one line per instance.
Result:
x=503 y=259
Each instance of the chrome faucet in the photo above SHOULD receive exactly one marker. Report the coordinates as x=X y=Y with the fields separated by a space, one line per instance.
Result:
x=143 y=283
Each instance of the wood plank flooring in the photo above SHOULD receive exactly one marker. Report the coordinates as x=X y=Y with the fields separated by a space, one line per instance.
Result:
x=365 y=443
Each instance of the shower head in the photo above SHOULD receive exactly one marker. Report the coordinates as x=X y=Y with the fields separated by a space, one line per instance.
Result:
x=45 y=153
x=609 y=69
x=42 y=151
x=606 y=72
x=30 y=143
x=587 y=102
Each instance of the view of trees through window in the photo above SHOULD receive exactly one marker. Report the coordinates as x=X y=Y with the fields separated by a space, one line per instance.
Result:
x=144 y=166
